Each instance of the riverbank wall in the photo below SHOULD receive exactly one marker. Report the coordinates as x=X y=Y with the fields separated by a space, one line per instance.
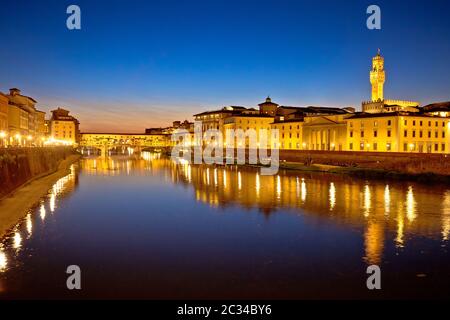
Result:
x=366 y=164
x=403 y=163
x=19 y=166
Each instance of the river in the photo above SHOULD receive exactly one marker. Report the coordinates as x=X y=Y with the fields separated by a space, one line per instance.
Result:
x=147 y=227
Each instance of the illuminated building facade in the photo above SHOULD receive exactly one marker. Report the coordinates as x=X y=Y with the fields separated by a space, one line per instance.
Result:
x=311 y=128
x=24 y=120
x=18 y=125
x=398 y=132
x=244 y=122
x=268 y=107
x=64 y=127
x=290 y=134
x=3 y=120
x=325 y=132
x=215 y=120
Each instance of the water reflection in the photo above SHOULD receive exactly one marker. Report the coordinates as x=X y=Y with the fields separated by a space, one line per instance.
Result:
x=410 y=205
x=400 y=227
x=303 y=190
x=332 y=196
x=367 y=199
x=29 y=225
x=446 y=216
x=3 y=260
x=382 y=213
x=42 y=212
x=13 y=243
x=17 y=241
x=387 y=200
x=317 y=194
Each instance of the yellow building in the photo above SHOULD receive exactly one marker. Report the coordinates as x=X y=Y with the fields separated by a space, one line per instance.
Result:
x=25 y=122
x=27 y=104
x=3 y=119
x=398 y=132
x=268 y=107
x=215 y=120
x=41 y=130
x=325 y=132
x=18 y=125
x=64 y=127
x=244 y=122
x=311 y=128
x=289 y=134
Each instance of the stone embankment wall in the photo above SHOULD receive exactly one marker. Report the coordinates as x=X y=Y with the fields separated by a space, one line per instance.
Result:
x=407 y=163
x=20 y=165
x=399 y=162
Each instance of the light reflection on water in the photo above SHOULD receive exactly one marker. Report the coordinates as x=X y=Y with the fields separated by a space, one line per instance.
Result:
x=289 y=190
x=15 y=239
x=384 y=213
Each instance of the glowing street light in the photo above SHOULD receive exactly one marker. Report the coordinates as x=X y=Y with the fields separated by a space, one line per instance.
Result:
x=3 y=138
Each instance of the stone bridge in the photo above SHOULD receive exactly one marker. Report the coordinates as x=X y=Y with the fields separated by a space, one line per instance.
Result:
x=132 y=142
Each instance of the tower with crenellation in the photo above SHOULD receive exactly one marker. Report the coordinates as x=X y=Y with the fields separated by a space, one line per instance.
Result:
x=378 y=103
x=377 y=77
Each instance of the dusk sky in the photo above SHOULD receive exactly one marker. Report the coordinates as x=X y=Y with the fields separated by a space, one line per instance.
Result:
x=137 y=64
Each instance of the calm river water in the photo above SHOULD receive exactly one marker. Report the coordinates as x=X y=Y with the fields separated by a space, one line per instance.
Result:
x=146 y=227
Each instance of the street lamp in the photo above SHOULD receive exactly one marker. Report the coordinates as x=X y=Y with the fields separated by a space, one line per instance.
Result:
x=3 y=137
x=18 y=138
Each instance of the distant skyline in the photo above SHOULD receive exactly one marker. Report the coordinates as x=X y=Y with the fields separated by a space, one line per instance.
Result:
x=138 y=64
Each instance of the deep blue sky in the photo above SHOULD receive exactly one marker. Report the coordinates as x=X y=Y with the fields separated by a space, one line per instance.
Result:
x=137 y=64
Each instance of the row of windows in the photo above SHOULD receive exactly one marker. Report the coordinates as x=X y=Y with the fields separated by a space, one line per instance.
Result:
x=375 y=133
x=375 y=123
x=248 y=122
x=406 y=147
x=248 y=128
x=290 y=127
x=436 y=123
x=436 y=134
x=317 y=146
x=414 y=123
x=290 y=135
x=405 y=134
